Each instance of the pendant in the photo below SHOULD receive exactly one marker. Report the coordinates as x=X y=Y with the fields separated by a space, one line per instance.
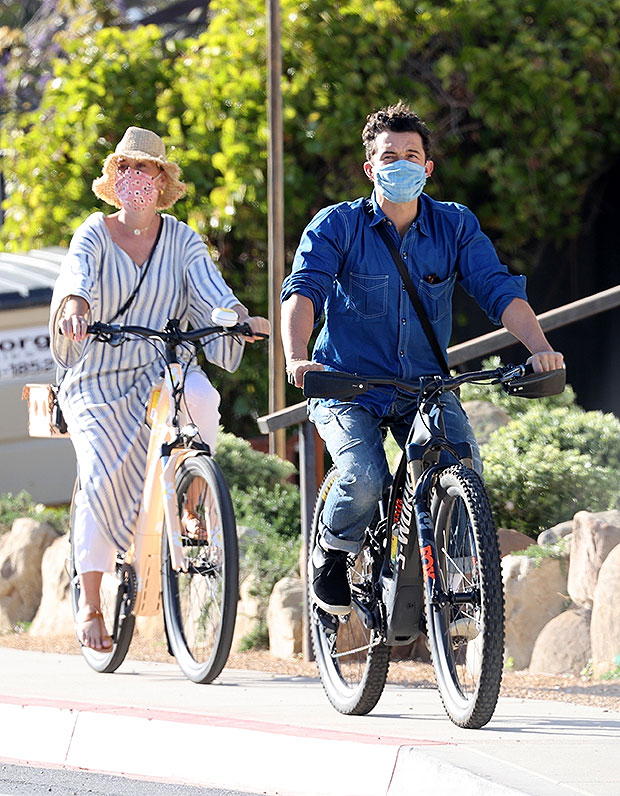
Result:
x=137 y=232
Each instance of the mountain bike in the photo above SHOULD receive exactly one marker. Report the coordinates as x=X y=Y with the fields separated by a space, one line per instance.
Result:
x=430 y=561
x=193 y=577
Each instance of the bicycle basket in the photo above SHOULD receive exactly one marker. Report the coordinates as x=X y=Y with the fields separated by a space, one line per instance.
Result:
x=332 y=384
x=537 y=385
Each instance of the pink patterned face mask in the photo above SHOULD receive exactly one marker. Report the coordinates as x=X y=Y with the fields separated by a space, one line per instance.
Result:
x=135 y=190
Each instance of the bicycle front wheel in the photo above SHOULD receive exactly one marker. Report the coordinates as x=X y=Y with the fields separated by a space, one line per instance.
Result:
x=117 y=595
x=353 y=660
x=200 y=604
x=466 y=631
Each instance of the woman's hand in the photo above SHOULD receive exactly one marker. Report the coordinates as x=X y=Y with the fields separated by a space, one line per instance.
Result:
x=259 y=325
x=73 y=324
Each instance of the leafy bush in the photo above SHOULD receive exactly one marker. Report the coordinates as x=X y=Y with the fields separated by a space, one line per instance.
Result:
x=278 y=507
x=270 y=556
x=547 y=464
x=258 y=488
x=247 y=468
x=264 y=501
x=22 y=505
x=539 y=553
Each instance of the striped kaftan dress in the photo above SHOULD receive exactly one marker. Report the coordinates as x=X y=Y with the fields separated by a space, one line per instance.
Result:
x=105 y=388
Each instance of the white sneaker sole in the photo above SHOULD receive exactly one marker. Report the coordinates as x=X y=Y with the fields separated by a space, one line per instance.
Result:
x=336 y=610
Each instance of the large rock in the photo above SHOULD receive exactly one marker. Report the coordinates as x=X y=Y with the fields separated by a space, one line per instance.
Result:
x=563 y=645
x=594 y=536
x=248 y=612
x=553 y=535
x=21 y=551
x=510 y=541
x=605 y=625
x=284 y=618
x=485 y=418
x=534 y=595
x=55 y=614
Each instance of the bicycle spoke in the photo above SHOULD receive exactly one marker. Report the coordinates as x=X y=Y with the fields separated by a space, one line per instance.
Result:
x=200 y=603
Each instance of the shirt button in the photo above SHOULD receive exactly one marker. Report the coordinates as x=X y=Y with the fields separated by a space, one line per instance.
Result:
x=404 y=320
x=404 y=255
x=402 y=353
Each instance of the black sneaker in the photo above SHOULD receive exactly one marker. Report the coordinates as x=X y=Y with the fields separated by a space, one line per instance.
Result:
x=329 y=581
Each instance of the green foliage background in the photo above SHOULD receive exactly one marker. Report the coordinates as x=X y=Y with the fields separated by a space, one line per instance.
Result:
x=552 y=460
x=523 y=98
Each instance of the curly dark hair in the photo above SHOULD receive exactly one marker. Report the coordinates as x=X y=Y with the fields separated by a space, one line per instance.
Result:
x=399 y=118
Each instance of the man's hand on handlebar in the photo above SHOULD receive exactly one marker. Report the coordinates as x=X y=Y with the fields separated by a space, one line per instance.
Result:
x=295 y=369
x=546 y=360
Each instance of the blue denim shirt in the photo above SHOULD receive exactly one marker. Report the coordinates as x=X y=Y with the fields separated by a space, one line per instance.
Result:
x=371 y=327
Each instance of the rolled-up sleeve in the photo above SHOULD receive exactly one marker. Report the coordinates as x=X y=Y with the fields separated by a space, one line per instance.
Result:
x=77 y=277
x=318 y=259
x=482 y=274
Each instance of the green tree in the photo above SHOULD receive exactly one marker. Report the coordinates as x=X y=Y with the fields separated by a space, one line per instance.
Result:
x=524 y=99
x=109 y=81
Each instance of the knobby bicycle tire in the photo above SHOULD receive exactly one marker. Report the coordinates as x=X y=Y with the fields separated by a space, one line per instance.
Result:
x=466 y=638
x=113 y=589
x=352 y=682
x=200 y=605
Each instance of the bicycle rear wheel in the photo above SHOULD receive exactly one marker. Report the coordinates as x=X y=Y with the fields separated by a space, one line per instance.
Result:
x=117 y=597
x=466 y=633
x=200 y=605
x=352 y=659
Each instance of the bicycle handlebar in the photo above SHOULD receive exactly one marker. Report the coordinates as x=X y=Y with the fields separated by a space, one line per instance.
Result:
x=171 y=334
x=517 y=380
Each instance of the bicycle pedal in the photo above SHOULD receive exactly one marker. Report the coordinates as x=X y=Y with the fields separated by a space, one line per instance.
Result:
x=329 y=622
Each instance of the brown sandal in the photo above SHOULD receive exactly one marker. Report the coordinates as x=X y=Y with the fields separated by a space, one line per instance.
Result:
x=106 y=639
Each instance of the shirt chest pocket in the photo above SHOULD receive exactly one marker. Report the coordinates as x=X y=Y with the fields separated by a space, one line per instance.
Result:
x=437 y=298
x=368 y=294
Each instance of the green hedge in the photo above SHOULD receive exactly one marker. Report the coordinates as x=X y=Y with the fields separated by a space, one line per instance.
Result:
x=21 y=504
x=548 y=464
x=264 y=500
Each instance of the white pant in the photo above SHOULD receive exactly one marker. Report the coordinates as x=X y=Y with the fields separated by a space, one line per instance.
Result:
x=94 y=550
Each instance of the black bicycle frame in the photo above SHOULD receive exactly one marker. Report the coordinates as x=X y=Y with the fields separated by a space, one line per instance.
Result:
x=405 y=579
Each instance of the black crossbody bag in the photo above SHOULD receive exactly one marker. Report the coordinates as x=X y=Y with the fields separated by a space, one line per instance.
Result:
x=410 y=288
x=57 y=417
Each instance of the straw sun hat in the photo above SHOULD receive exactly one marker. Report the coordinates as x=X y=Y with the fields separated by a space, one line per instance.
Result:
x=139 y=144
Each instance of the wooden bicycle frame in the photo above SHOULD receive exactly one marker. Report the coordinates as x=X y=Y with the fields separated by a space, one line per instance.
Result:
x=159 y=498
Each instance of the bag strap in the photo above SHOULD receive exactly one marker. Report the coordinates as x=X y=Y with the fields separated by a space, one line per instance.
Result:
x=145 y=268
x=410 y=288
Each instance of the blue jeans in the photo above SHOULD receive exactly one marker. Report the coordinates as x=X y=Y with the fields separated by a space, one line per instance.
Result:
x=354 y=440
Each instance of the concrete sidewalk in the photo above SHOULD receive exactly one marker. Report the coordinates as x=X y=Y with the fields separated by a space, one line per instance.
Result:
x=278 y=734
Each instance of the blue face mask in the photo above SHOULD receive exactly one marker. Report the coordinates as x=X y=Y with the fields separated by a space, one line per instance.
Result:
x=401 y=181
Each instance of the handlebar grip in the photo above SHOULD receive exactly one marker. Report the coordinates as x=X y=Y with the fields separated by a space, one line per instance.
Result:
x=246 y=329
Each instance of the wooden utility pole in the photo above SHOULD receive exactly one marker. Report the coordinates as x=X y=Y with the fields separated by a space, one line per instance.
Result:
x=275 y=202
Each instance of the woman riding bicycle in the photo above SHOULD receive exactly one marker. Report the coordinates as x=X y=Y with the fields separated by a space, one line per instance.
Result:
x=135 y=266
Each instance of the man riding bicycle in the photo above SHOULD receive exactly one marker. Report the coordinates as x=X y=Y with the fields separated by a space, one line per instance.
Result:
x=344 y=270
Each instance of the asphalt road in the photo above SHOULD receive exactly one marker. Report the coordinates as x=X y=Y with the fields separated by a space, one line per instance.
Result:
x=37 y=781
